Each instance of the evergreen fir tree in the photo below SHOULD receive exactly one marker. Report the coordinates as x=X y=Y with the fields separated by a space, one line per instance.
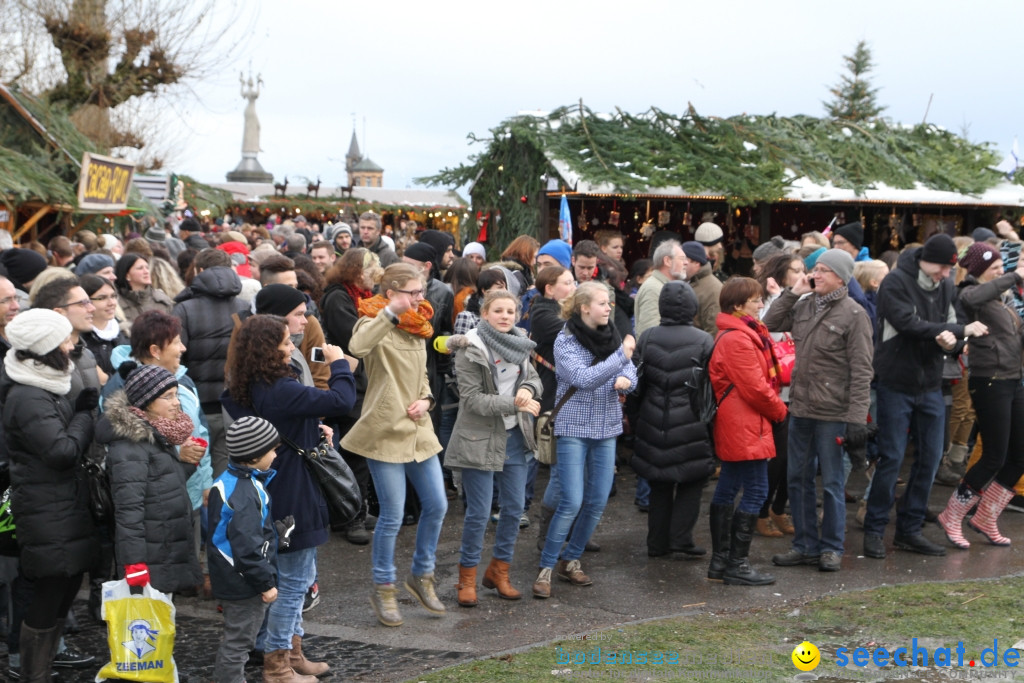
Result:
x=854 y=98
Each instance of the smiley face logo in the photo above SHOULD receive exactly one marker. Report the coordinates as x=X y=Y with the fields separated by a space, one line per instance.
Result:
x=806 y=656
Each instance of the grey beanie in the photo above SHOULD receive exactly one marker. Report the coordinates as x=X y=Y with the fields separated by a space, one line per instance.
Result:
x=839 y=262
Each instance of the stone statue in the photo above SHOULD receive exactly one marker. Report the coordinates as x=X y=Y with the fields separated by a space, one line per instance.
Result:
x=249 y=169
x=251 y=137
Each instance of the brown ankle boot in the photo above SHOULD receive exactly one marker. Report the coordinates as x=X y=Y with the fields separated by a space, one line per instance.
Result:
x=496 y=576
x=277 y=670
x=297 y=661
x=467 y=586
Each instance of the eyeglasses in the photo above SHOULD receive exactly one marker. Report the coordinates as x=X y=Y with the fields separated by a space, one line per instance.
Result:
x=411 y=292
x=83 y=302
x=6 y=300
x=97 y=299
x=171 y=398
x=822 y=269
x=755 y=301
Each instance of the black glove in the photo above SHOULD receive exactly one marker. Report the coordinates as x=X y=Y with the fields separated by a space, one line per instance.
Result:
x=284 y=527
x=87 y=400
x=856 y=444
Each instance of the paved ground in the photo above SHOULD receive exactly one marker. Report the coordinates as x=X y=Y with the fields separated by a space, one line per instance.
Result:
x=627 y=587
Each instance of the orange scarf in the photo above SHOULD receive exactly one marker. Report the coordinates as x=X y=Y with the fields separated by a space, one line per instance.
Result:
x=414 y=322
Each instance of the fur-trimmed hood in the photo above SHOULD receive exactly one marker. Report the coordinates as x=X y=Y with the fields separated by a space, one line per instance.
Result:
x=119 y=422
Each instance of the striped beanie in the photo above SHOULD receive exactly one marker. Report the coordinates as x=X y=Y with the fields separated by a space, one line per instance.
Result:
x=145 y=383
x=250 y=438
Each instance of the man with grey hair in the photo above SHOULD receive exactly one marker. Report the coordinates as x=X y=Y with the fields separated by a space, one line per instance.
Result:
x=294 y=245
x=669 y=264
x=370 y=238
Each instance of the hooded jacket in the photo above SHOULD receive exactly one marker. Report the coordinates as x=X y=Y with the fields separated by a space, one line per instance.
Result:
x=672 y=444
x=743 y=424
x=479 y=436
x=152 y=510
x=205 y=308
x=910 y=316
x=242 y=550
x=46 y=441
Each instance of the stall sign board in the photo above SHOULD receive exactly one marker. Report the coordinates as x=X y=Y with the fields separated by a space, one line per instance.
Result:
x=104 y=183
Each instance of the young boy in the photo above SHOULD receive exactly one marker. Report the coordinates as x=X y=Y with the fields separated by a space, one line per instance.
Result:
x=242 y=550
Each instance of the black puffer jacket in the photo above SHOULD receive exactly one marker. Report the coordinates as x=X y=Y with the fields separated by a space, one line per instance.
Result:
x=205 y=309
x=45 y=441
x=101 y=348
x=545 y=324
x=152 y=510
x=340 y=315
x=671 y=442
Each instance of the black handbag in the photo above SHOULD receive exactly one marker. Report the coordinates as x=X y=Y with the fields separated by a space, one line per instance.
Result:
x=337 y=483
x=101 y=501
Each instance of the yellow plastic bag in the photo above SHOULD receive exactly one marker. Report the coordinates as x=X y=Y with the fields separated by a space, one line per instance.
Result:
x=140 y=634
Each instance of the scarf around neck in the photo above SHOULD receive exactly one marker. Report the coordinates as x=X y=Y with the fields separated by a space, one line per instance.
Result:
x=514 y=346
x=109 y=332
x=35 y=374
x=602 y=341
x=414 y=322
x=357 y=293
x=176 y=431
x=767 y=349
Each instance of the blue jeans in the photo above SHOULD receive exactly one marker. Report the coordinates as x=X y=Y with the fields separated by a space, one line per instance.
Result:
x=896 y=412
x=512 y=492
x=749 y=475
x=296 y=572
x=553 y=491
x=586 y=470
x=813 y=442
x=643 y=491
x=389 y=481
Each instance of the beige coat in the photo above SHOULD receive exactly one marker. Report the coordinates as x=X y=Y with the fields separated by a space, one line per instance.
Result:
x=708 y=288
x=396 y=370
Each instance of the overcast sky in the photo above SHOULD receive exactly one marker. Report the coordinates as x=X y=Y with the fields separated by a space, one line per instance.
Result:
x=424 y=75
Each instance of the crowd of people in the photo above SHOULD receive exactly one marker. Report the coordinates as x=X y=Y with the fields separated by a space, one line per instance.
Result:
x=195 y=366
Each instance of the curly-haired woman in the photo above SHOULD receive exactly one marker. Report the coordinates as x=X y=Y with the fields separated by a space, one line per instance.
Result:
x=261 y=381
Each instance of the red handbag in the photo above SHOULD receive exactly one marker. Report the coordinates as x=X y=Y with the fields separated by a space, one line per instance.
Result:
x=785 y=351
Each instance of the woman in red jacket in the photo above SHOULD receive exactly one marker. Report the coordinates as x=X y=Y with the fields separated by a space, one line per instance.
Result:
x=744 y=373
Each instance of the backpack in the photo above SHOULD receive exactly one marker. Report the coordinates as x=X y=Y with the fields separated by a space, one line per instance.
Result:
x=703 y=399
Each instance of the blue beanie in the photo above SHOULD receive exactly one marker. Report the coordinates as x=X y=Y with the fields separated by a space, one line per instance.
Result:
x=813 y=257
x=558 y=250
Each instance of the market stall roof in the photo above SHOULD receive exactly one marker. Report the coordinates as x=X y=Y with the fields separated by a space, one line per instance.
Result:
x=259 y=192
x=741 y=159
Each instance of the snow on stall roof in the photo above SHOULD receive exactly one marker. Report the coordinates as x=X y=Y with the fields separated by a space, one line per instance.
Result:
x=382 y=195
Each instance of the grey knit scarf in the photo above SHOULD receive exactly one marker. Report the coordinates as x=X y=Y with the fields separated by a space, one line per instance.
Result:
x=514 y=346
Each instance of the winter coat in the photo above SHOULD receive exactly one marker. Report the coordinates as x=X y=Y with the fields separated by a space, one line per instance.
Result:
x=998 y=354
x=832 y=377
x=84 y=374
x=479 y=436
x=152 y=510
x=546 y=323
x=188 y=396
x=645 y=306
x=45 y=441
x=907 y=358
x=294 y=409
x=396 y=364
x=340 y=315
x=594 y=411
x=743 y=424
x=205 y=308
x=101 y=348
x=134 y=304
x=242 y=549
x=385 y=253
x=442 y=300
x=707 y=287
x=671 y=443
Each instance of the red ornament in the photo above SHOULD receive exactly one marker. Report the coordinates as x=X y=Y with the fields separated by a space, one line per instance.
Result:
x=524 y=199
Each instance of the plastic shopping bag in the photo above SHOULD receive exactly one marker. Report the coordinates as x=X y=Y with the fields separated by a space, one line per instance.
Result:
x=140 y=634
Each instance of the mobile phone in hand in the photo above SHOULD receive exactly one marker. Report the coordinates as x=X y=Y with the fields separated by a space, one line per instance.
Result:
x=316 y=354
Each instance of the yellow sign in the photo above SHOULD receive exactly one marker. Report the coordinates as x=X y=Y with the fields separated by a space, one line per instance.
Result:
x=104 y=183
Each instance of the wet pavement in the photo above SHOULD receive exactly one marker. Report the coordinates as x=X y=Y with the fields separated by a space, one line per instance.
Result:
x=628 y=587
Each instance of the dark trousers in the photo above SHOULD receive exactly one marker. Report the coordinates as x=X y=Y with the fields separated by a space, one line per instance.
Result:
x=778 y=489
x=51 y=599
x=356 y=462
x=749 y=475
x=674 y=509
x=999 y=406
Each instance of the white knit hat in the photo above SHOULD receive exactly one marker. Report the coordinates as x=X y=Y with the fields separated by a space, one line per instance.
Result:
x=708 y=233
x=38 y=330
x=475 y=248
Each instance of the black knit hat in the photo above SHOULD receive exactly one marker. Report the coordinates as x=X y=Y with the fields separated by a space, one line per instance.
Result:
x=146 y=383
x=250 y=438
x=23 y=266
x=939 y=249
x=852 y=233
x=278 y=299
